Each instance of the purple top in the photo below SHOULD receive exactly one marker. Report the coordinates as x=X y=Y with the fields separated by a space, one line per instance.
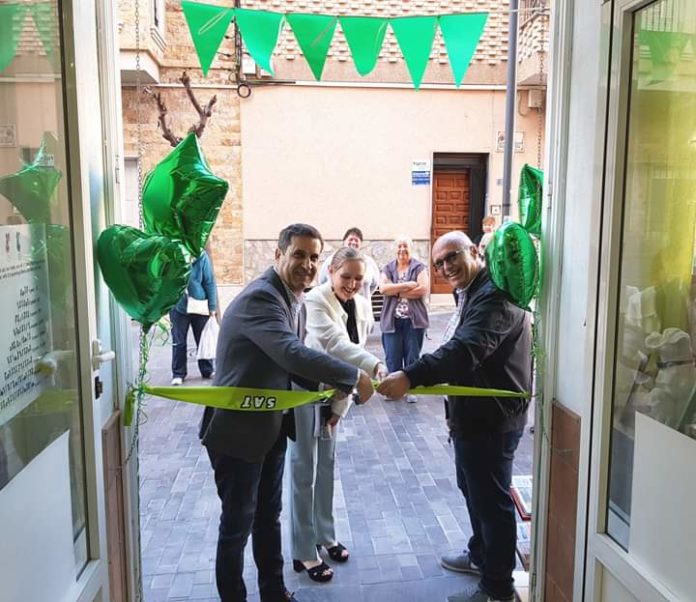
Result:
x=418 y=313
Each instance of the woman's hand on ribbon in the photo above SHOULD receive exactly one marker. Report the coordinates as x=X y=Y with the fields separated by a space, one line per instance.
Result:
x=381 y=372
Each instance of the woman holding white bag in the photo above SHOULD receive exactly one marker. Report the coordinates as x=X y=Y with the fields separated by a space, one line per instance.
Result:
x=338 y=322
x=194 y=309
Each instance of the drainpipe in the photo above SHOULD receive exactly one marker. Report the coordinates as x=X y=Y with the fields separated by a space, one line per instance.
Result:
x=510 y=97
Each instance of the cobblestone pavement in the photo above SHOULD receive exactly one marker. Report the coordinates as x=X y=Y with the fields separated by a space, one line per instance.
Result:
x=397 y=505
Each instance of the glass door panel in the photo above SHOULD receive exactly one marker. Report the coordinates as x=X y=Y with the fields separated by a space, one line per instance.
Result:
x=40 y=396
x=654 y=371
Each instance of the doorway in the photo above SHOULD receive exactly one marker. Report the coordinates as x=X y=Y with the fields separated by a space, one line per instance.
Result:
x=459 y=196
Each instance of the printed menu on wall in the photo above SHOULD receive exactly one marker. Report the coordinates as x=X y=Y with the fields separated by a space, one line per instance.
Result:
x=25 y=316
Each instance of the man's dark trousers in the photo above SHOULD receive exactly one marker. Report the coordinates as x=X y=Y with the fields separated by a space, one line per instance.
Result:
x=251 y=496
x=484 y=473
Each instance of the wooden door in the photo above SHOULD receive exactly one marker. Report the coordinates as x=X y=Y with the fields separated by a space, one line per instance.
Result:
x=451 y=206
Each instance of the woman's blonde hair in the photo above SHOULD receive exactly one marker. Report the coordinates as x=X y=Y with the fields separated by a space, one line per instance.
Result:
x=345 y=254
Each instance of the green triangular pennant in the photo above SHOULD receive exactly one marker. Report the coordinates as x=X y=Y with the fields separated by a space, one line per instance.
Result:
x=46 y=23
x=207 y=25
x=364 y=36
x=11 y=18
x=462 y=34
x=415 y=37
x=314 y=34
x=260 y=30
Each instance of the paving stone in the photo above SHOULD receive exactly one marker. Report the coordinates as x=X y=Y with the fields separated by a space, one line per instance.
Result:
x=397 y=506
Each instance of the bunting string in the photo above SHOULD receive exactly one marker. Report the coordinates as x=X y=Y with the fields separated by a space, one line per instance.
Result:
x=260 y=31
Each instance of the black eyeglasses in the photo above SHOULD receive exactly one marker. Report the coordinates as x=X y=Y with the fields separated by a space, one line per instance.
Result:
x=449 y=258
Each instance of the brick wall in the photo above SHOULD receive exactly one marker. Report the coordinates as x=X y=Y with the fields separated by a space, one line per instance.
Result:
x=220 y=141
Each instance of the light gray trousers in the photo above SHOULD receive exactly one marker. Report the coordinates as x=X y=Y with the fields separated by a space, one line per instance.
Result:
x=312 y=476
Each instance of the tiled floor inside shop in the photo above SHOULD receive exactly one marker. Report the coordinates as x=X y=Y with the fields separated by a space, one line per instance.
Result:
x=397 y=506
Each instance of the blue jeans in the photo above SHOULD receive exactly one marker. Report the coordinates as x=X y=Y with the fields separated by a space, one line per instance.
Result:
x=251 y=494
x=403 y=346
x=180 y=325
x=484 y=473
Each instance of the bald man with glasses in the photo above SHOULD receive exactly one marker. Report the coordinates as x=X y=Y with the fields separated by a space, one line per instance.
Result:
x=487 y=343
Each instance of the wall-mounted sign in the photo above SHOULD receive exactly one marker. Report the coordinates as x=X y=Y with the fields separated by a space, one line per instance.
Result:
x=420 y=173
x=518 y=142
x=25 y=319
x=8 y=135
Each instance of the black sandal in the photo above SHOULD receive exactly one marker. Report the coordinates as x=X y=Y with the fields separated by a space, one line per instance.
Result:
x=316 y=573
x=336 y=552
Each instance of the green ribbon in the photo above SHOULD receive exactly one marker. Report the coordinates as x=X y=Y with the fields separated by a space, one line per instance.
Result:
x=272 y=400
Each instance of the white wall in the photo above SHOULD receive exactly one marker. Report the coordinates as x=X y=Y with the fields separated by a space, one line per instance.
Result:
x=336 y=156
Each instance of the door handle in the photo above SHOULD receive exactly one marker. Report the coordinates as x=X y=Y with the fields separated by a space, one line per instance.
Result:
x=100 y=355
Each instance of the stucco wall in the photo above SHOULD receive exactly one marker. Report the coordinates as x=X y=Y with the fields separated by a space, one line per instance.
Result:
x=336 y=156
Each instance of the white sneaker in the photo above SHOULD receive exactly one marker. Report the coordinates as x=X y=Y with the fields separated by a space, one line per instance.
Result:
x=176 y=381
x=412 y=398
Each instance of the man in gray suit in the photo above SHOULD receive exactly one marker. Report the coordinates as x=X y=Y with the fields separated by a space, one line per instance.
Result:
x=260 y=345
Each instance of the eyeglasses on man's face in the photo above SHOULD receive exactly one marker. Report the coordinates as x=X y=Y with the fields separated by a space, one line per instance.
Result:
x=449 y=258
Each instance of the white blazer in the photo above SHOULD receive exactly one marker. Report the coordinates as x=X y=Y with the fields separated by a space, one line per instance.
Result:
x=326 y=331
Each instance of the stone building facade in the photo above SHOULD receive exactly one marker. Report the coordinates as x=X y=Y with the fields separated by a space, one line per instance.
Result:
x=252 y=140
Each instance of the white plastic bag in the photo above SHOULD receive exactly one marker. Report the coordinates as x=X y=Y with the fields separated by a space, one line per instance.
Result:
x=208 y=342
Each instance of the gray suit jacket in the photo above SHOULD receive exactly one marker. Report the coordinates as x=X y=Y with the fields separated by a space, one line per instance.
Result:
x=258 y=347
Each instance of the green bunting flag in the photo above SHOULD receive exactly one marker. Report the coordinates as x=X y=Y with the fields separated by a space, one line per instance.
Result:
x=314 y=34
x=11 y=20
x=415 y=36
x=260 y=30
x=207 y=25
x=271 y=400
x=461 y=34
x=364 y=36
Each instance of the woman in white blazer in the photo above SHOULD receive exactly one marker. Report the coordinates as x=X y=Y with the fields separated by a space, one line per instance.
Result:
x=338 y=322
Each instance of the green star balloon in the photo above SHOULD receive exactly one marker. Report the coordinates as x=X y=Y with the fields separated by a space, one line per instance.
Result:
x=146 y=273
x=182 y=197
x=31 y=188
x=512 y=263
x=530 y=198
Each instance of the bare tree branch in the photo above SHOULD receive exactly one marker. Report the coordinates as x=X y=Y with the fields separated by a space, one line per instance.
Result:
x=167 y=133
x=203 y=112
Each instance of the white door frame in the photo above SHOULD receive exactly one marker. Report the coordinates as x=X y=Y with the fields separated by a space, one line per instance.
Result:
x=602 y=552
x=96 y=23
